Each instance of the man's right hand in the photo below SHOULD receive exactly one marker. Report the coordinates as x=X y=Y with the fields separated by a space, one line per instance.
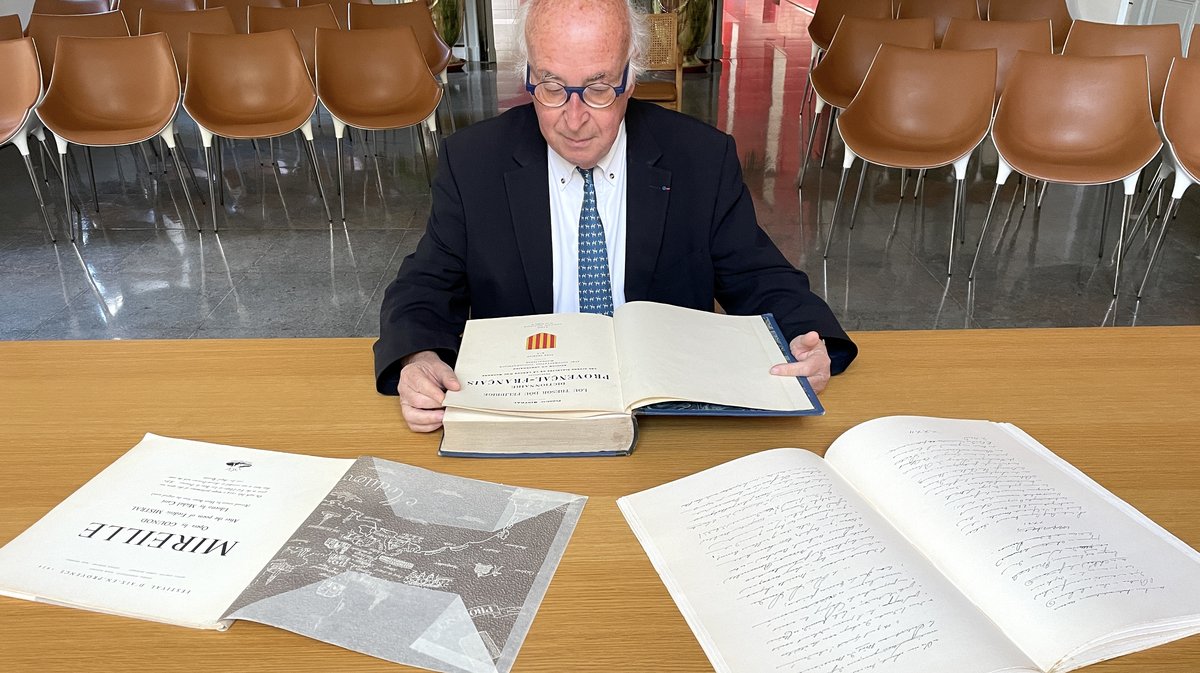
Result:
x=424 y=380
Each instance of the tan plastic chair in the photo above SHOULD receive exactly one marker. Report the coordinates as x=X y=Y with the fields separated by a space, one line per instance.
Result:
x=374 y=80
x=112 y=91
x=840 y=73
x=179 y=25
x=919 y=109
x=132 y=9
x=302 y=21
x=1181 y=127
x=824 y=24
x=249 y=87
x=20 y=88
x=238 y=9
x=341 y=8
x=45 y=29
x=71 y=7
x=941 y=11
x=662 y=56
x=1026 y=10
x=1159 y=43
x=1006 y=37
x=1080 y=120
x=10 y=27
x=415 y=15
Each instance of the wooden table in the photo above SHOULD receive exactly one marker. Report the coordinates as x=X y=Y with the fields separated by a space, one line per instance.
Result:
x=1121 y=404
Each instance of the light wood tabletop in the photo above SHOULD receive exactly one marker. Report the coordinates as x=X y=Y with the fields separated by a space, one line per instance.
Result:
x=1120 y=404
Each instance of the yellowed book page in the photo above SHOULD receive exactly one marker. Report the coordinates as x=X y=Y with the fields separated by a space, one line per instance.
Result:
x=673 y=353
x=777 y=565
x=1070 y=572
x=172 y=531
x=561 y=362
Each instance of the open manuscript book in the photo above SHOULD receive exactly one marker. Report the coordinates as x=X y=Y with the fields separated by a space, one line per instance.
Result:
x=918 y=545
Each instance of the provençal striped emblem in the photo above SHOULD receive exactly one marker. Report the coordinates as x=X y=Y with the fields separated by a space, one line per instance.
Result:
x=540 y=341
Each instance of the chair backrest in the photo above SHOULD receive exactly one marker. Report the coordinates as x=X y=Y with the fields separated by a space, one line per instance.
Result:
x=1181 y=114
x=132 y=9
x=71 y=7
x=1024 y=10
x=341 y=8
x=20 y=85
x=375 y=79
x=1160 y=44
x=248 y=86
x=238 y=9
x=179 y=25
x=1006 y=37
x=938 y=103
x=412 y=14
x=10 y=27
x=829 y=14
x=45 y=29
x=839 y=75
x=941 y=11
x=1057 y=111
x=302 y=21
x=111 y=90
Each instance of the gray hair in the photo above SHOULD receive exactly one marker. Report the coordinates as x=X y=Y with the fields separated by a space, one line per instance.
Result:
x=639 y=35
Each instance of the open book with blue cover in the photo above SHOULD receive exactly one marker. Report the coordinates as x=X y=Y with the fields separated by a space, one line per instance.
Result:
x=570 y=383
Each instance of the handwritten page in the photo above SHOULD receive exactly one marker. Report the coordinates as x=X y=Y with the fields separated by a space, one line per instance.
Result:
x=1059 y=563
x=172 y=531
x=777 y=565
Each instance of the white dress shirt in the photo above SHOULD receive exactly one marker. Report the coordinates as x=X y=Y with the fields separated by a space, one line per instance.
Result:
x=566 y=200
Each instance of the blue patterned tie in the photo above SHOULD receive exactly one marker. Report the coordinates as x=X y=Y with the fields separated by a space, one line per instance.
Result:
x=595 y=292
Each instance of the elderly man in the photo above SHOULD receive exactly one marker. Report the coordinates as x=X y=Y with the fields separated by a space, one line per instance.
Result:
x=641 y=202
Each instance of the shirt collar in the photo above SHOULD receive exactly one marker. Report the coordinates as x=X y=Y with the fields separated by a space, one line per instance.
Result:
x=609 y=166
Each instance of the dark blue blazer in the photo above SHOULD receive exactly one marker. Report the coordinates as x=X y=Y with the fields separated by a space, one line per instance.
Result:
x=691 y=238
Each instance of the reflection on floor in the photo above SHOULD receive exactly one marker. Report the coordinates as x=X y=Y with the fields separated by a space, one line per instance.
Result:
x=277 y=268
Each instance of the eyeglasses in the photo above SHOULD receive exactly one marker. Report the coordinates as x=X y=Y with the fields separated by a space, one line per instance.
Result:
x=596 y=95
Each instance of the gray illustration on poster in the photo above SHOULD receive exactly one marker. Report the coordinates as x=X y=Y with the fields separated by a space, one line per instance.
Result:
x=417 y=567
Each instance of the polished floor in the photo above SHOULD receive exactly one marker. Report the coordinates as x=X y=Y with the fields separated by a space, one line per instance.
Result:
x=140 y=269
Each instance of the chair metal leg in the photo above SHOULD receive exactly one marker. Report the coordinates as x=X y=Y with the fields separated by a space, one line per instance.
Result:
x=958 y=188
x=833 y=115
x=1104 y=222
x=1126 y=209
x=836 y=205
x=92 y=176
x=188 y=165
x=858 y=192
x=419 y=131
x=219 y=164
x=1162 y=233
x=212 y=185
x=341 y=179
x=1041 y=195
x=38 y=192
x=312 y=156
x=812 y=135
x=62 y=160
x=903 y=182
x=983 y=232
x=187 y=194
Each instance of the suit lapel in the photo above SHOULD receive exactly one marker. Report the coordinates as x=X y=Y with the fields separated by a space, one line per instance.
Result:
x=648 y=191
x=529 y=208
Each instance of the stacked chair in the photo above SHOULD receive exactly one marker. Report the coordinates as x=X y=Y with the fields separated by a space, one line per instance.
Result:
x=71 y=7
x=1077 y=120
x=1025 y=10
x=249 y=87
x=112 y=91
x=941 y=11
x=21 y=84
x=374 y=80
x=1181 y=127
x=302 y=21
x=825 y=22
x=919 y=109
x=132 y=9
x=841 y=72
x=10 y=28
x=341 y=8
x=239 y=10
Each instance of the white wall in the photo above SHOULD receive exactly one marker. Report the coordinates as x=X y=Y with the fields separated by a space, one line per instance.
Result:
x=1104 y=11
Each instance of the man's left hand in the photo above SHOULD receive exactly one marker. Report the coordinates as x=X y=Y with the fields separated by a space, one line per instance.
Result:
x=812 y=360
